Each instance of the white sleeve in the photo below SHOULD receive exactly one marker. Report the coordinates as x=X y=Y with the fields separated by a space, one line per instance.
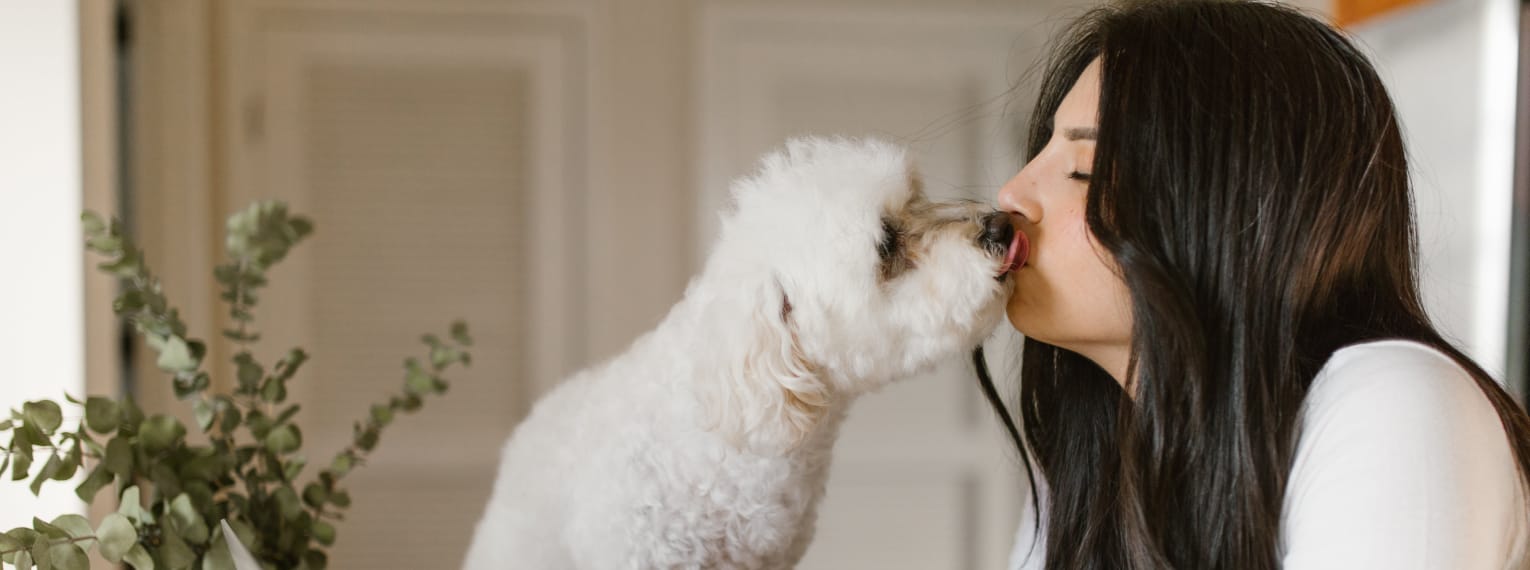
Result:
x=1402 y=464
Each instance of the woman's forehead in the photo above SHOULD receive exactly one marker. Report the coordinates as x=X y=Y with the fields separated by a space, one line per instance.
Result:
x=1080 y=106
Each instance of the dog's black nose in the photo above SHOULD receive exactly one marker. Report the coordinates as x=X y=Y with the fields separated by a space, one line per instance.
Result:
x=997 y=232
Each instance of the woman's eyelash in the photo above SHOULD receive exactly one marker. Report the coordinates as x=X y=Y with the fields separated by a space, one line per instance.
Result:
x=1080 y=176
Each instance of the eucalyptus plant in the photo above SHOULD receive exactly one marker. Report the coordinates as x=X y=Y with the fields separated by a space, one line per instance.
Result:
x=176 y=491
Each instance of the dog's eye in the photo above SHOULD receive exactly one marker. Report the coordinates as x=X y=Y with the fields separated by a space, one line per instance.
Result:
x=890 y=239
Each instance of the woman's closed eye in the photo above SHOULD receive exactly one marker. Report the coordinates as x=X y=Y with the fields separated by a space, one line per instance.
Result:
x=1079 y=176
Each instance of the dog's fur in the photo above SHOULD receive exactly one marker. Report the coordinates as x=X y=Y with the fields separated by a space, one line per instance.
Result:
x=706 y=444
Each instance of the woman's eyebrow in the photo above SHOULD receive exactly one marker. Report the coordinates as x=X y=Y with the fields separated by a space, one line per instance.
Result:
x=1080 y=133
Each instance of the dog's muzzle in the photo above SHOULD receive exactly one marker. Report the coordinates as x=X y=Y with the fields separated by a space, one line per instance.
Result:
x=1000 y=238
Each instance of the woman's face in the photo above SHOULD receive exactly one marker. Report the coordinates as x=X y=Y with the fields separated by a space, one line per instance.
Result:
x=1067 y=294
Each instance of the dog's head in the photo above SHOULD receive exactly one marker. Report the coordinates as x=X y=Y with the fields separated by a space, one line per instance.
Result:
x=850 y=277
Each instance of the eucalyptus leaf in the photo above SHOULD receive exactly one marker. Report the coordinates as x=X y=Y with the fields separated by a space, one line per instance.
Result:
x=287 y=503
x=190 y=523
x=119 y=457
x=48 y=530
x=324 y=533
x=460 y=333
x=139 y=558
x=175 y=355
x=159 y=432
x=175 y=553
x=49 y=469
x=68 y=556
x=41 y=556
x=248 y=371
x=44 y=414
x=284 y=439
x=76 y=525
x=101 y=414
x=8 y=542
x=98 y=478
x=204 y=412
x=115 y=536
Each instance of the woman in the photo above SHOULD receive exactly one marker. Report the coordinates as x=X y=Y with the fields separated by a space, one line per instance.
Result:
x=1227 y=364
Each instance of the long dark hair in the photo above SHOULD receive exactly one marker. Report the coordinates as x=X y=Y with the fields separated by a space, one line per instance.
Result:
x=1251 y=185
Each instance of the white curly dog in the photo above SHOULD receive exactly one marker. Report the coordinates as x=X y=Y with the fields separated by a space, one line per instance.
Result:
x=706 y=444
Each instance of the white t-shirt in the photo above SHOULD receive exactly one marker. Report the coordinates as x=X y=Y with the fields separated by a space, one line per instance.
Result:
x=1402 y=463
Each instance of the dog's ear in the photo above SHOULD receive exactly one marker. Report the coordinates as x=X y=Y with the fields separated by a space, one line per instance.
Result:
x=777 y=396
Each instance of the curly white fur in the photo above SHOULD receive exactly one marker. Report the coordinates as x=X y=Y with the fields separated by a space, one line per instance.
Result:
x=706 y=444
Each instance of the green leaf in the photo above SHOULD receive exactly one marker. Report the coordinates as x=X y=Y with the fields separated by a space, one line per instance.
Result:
x=101 y=414
x=314 y=495
x=119 y=457
x=139 y=558
x=175 y=553
x=160 y=432
x=76 y=525
x=8 y=542
x=70 y=463
x=175 y=356
x=259 y=423
x=284 y=439
x=189 y=383
x=287 y=503
x=324 y=533
x=341 y=464
x=131 y=416
x=417 y=383
x=130 y=301
x=23 y=559
x=288 y=366
x=24 y=538
x=44 y=414
x=21 y=454
x=116 y=536
x=204 y=412
x=49 y=469
x=460 y=333
x=91 y=222
x=166 y=481
x=249 y=372
x=48 y=530
x=340 y=499
x=382 y=415
x=288 y=413
x=67 y=556
x=294 y=467
x=98 y=478
x=132 y=507
x=274 y=390
x=40 y=555
x=366 y=439
x=189 y=522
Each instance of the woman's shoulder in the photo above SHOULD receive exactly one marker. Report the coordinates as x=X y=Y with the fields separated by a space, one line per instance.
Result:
x=1398 y=441
x=1406 y=375
x=1392 y=393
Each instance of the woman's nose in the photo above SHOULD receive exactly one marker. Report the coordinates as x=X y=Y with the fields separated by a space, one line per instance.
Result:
x=1020 y=195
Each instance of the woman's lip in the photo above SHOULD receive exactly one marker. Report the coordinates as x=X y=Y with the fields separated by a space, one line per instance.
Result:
x=1017 y=254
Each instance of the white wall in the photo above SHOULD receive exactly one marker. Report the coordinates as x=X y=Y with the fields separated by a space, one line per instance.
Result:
x=1450 y=66
x=41 y=315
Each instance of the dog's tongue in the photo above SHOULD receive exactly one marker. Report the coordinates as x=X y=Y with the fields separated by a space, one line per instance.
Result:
x=1019 y=251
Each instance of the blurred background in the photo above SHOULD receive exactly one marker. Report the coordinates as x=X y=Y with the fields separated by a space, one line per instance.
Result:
x=551 y=172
